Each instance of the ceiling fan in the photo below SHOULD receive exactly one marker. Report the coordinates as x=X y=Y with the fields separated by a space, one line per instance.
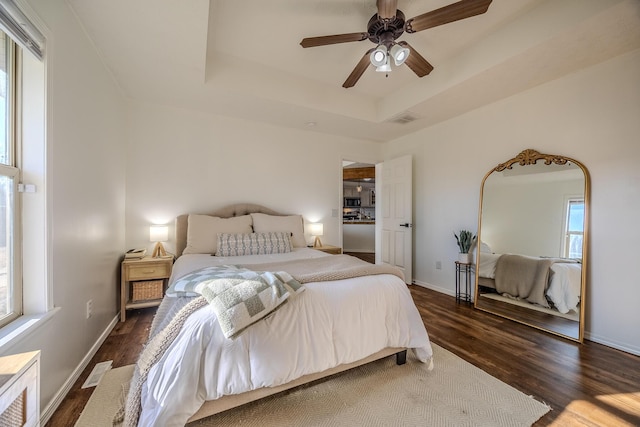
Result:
x=387 y=25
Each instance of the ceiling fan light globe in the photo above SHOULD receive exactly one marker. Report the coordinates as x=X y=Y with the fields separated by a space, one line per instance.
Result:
x=379 y=56
x=384 y=68
x=399 y=54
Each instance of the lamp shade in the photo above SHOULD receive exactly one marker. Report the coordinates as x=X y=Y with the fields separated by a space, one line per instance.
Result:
x=316 y=229
x=399 y=54
x=158 y=233
x=379 y=56
x=384 y=68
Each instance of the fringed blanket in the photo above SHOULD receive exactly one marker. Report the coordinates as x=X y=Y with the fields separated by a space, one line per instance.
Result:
x=128 y=415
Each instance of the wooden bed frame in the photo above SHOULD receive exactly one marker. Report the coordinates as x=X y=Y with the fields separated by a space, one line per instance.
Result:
x=212 y=407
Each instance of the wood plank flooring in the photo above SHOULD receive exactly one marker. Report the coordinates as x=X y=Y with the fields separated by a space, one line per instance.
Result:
x=585 y=384
x=123 y=345
x=365 y=256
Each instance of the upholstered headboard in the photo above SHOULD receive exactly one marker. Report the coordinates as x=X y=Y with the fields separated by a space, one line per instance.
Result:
x=226 y=212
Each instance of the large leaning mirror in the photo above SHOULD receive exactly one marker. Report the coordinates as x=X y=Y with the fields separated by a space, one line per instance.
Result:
x=531 y=250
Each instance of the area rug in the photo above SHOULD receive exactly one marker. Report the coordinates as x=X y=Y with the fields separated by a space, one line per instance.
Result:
x=454 y=393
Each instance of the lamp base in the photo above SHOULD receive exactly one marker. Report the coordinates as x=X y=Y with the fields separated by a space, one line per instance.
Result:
x=317 y=243
x=158 y=251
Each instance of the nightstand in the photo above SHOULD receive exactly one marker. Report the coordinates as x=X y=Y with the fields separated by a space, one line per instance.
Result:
x=143 y=282
x=334 y=250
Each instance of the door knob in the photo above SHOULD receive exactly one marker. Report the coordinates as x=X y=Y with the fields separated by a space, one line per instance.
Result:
x=406 y=224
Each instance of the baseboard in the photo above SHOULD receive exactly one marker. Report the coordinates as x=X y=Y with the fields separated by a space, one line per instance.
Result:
x=51 y=407
x=442 y=290
x=613 y=344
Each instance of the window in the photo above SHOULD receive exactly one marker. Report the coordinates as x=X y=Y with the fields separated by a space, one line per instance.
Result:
x=10 y=278
x=574 y=228
x=25 y=291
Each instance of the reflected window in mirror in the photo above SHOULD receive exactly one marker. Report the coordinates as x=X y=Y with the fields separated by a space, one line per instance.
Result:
x=574 y=228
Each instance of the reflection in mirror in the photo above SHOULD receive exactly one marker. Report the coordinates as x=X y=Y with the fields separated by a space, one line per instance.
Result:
x=532 y=242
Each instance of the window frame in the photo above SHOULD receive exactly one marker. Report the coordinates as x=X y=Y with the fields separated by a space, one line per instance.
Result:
x=566 y=233
x=12 y=170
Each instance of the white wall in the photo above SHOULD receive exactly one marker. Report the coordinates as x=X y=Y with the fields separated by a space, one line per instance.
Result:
x=181 y=161
x=85 y=171
x=591 y=116
x=507 y=206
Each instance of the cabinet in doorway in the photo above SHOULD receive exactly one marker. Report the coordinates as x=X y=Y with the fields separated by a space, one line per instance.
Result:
x=349 y=191
x=368 y=196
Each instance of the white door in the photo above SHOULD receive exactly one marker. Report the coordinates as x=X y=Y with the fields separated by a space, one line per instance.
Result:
x=395 y=208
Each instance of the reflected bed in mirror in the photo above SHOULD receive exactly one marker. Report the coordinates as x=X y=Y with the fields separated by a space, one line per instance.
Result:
x=531 y=260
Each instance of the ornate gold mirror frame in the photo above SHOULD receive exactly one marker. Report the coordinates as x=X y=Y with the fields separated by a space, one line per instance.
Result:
x=531 y=252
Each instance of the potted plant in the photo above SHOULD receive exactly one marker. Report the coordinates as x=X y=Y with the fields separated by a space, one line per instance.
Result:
x=465 y=240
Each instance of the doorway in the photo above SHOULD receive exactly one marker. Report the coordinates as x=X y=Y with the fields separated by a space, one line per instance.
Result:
x=358 y=211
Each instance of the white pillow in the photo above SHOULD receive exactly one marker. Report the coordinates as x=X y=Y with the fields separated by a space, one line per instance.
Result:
x=484 y=248
x=294 y=224
x=203 y=230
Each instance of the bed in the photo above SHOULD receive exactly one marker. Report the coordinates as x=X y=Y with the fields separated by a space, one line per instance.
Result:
x=333 y=319
x=548 y=282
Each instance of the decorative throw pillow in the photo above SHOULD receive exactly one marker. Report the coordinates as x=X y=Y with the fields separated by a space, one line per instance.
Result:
x=275 y=242
x=294 y=224
x=203 y=230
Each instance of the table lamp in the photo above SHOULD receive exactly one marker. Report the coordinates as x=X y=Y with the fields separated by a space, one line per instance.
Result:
x=316 y=229
x=159 y=234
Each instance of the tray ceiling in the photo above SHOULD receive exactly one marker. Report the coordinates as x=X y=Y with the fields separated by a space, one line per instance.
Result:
x=243 y=58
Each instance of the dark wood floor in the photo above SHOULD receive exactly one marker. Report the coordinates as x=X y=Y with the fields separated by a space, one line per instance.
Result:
x=365 y=256
x=585 y=384
x=123 y=345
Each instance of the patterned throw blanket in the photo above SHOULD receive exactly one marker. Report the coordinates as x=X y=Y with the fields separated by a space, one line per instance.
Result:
x=239 y=296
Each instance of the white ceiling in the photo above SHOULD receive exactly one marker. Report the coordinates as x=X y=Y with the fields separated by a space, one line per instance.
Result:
x=243 y=58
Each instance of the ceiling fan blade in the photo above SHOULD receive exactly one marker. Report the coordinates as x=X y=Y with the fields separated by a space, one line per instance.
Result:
x=416 y=62
x=358 y=71
x=335 y=39
x=387 y=8
x=454 y=12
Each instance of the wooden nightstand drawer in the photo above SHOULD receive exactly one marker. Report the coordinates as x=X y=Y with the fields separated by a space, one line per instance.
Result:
x=148 y=271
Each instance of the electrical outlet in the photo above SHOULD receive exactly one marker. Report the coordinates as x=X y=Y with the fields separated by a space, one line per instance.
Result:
x=89 y=308
x=438 y=265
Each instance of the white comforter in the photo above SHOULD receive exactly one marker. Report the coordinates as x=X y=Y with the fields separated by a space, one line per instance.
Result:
x=565 y=283
x=329 y=324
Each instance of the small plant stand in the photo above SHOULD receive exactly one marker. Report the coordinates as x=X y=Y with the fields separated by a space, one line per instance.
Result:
x=466 y=270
